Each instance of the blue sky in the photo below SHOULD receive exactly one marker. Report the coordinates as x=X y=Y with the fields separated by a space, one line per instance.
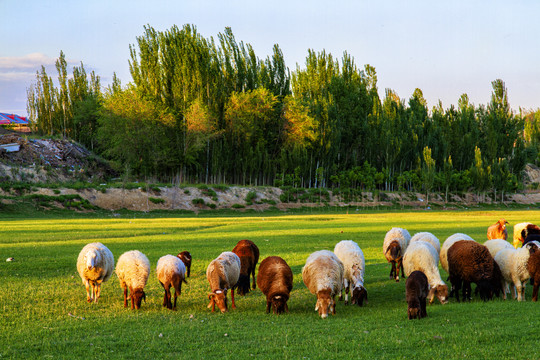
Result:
x=445 y=48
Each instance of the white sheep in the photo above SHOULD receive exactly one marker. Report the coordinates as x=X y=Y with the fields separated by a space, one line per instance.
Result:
x=323 y=276
x=133 y=269
x=427 y=237
x=513 y=265
x=422 y=256
x=446 y=245
x=496 y=245
x=223 y=274
x=354 y=266
x=171 y=272
x=95 y=265
x=394 y=246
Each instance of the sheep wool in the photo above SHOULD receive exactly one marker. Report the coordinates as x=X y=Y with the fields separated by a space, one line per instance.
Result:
x=496 y=245
x=427 y=237
x=95 y=265
x=133 y=269
x=354 y=264
x=518 y=238
x=513 y=265
x=422 y=256
x=443 y=257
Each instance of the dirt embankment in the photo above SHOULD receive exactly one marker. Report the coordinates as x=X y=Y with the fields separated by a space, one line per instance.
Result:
x=241 y=198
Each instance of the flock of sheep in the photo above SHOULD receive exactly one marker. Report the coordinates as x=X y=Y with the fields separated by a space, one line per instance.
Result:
x=494 y=267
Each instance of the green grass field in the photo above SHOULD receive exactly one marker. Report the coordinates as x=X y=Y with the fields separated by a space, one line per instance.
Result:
x=44 y=313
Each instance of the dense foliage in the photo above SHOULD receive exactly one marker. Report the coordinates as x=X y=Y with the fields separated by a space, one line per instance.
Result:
x=206 y=110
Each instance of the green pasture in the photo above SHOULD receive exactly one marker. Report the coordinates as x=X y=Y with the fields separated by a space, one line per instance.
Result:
x=44 y=313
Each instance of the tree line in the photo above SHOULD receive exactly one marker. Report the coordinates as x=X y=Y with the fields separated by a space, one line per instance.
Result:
x=210 y=110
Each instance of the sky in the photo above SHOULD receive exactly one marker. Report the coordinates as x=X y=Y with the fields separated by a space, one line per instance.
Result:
x=445 y=48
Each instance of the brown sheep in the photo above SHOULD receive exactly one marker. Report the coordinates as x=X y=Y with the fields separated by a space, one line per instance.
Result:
x=470 y=262
x=275 y=279
x=248 y=253
x=498 y=230
x=416 y=291
x=185 y=256
x=394 y=246
x=533 y=266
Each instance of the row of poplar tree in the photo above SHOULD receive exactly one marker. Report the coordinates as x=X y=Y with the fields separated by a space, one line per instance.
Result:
x=209 y=110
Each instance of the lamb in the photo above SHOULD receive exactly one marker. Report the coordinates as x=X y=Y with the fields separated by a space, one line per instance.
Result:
x=422 y=256
x=498 y=230
x=354 y=266
x=185 y=256
x=533 y=267
x=95 y=265
x=275 y=279
x=514 y=267
x=416 y=291
x=394 y=246
x=470 y=262
x=323 y=276
x=222 y=274
x=496 y=245
x=248 y=253
x=427 y=237
x=451 y=240
x=171 y=272
x=132 y=270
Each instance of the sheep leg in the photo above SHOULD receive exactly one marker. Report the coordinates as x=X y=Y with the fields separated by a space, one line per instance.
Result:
x=520 y=288
x=535 y=291
x=125 y=298
x=333 y=306
x=467 y=291
x=392 y=269
x=423 y=311
x=253 y=274
x=177 y=293
x=88 y=296
x=268 y=303
x=402 y=271
x=232 y=297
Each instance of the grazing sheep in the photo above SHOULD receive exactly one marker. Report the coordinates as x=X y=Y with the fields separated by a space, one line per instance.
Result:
x=95 y=265
x=427 y=237
x=518 y=238
x=513 y=264
x=354 y=266
x=185 y=256
x=275 y=279
x=446 y=245
x=470 y=262
x=171 y=272
x=323 y=276
x=132 y=270
x=416 y=291
x=394 y=246
x=222 y=274
x=533 y=266
x=248 y=253
x=498 y=230
x=422 y=256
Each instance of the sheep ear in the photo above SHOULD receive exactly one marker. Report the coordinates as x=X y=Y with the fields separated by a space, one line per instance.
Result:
x=210 y=296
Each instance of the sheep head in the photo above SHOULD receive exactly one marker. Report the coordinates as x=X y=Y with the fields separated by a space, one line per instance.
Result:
x=413 y=313
x=279 y=303
x=441 y=291
x=359 y=295
x=137 y=297
x=325 y=302
x=219 y=298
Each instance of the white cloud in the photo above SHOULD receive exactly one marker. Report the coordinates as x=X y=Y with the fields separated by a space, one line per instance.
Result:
x=30 y=61
x=17 y=76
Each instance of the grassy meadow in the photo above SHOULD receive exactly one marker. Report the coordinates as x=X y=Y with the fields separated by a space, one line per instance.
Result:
x=44 y=313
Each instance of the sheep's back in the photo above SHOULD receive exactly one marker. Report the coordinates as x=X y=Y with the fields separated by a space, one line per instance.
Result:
x=225 y=269
x=451 y=240
x=421 y=256
x=274 y=276
x=496 y=245
x=350 y=254
x=323 y=270
x=133 y=269
x=169 y=266
x=103 y=269
x=400 y=235
x=427 y=237
x=470 y=261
